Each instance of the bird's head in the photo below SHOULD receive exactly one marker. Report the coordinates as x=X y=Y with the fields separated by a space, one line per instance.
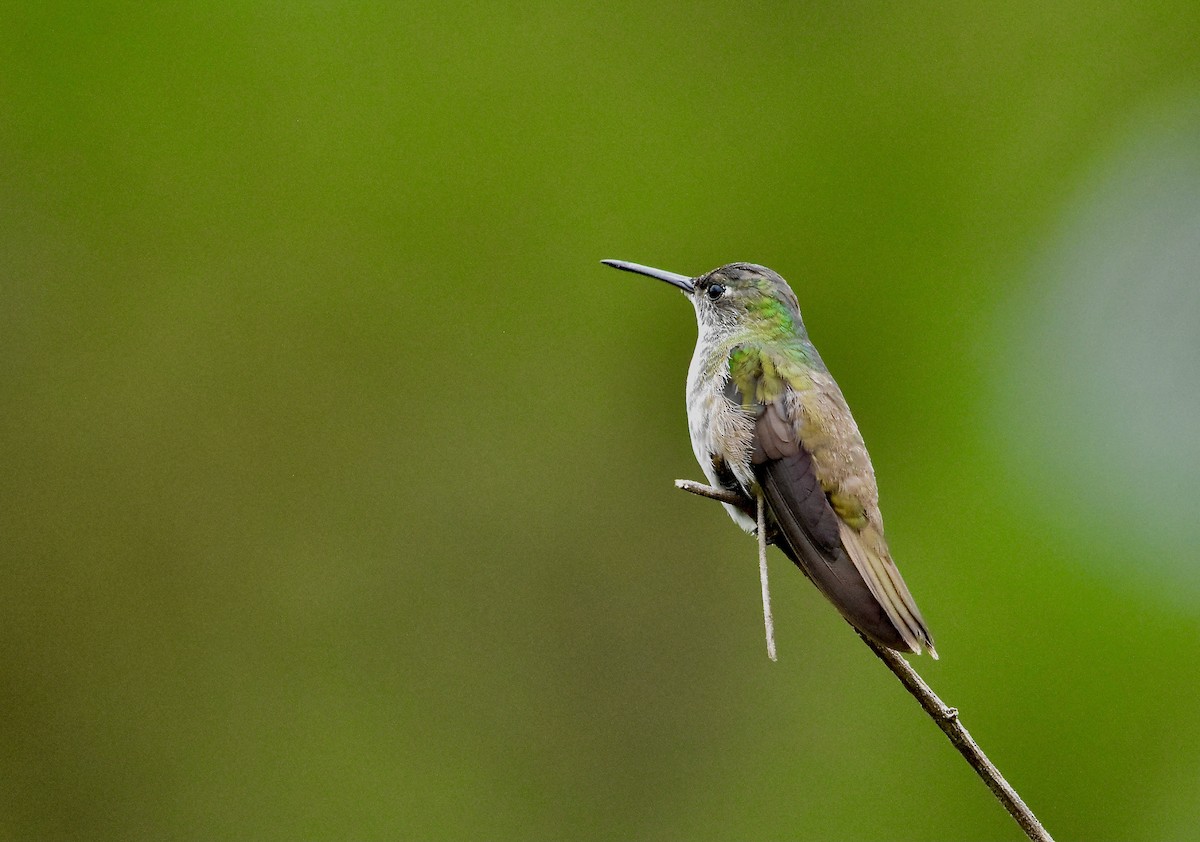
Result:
x=735 y=297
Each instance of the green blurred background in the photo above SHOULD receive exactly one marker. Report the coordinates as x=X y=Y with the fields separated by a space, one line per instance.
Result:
x=336 y=500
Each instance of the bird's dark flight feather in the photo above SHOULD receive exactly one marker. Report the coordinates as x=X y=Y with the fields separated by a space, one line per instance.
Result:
x=808 y=527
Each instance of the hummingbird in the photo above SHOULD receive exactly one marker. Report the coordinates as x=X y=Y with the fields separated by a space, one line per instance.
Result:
x=769 y=423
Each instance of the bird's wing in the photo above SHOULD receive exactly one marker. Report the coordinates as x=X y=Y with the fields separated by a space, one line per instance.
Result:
x=824 y=520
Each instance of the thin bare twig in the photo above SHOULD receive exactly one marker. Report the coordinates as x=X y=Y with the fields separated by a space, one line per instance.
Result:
x=768 y=621
x=944 y=716
x=718 y=494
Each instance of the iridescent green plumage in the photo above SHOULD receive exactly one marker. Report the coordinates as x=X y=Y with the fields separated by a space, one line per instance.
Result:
x=766 y=418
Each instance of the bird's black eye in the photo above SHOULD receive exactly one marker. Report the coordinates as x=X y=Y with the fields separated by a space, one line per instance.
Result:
x=715 y=291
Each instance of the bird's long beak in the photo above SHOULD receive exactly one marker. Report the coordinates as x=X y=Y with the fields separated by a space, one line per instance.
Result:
x=681 y=281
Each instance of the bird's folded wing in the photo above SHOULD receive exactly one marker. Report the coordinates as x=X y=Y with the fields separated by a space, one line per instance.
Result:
x=862 y=583
x=813 y=534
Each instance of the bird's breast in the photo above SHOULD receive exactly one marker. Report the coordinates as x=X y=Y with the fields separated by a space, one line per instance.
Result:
x=721 y=430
